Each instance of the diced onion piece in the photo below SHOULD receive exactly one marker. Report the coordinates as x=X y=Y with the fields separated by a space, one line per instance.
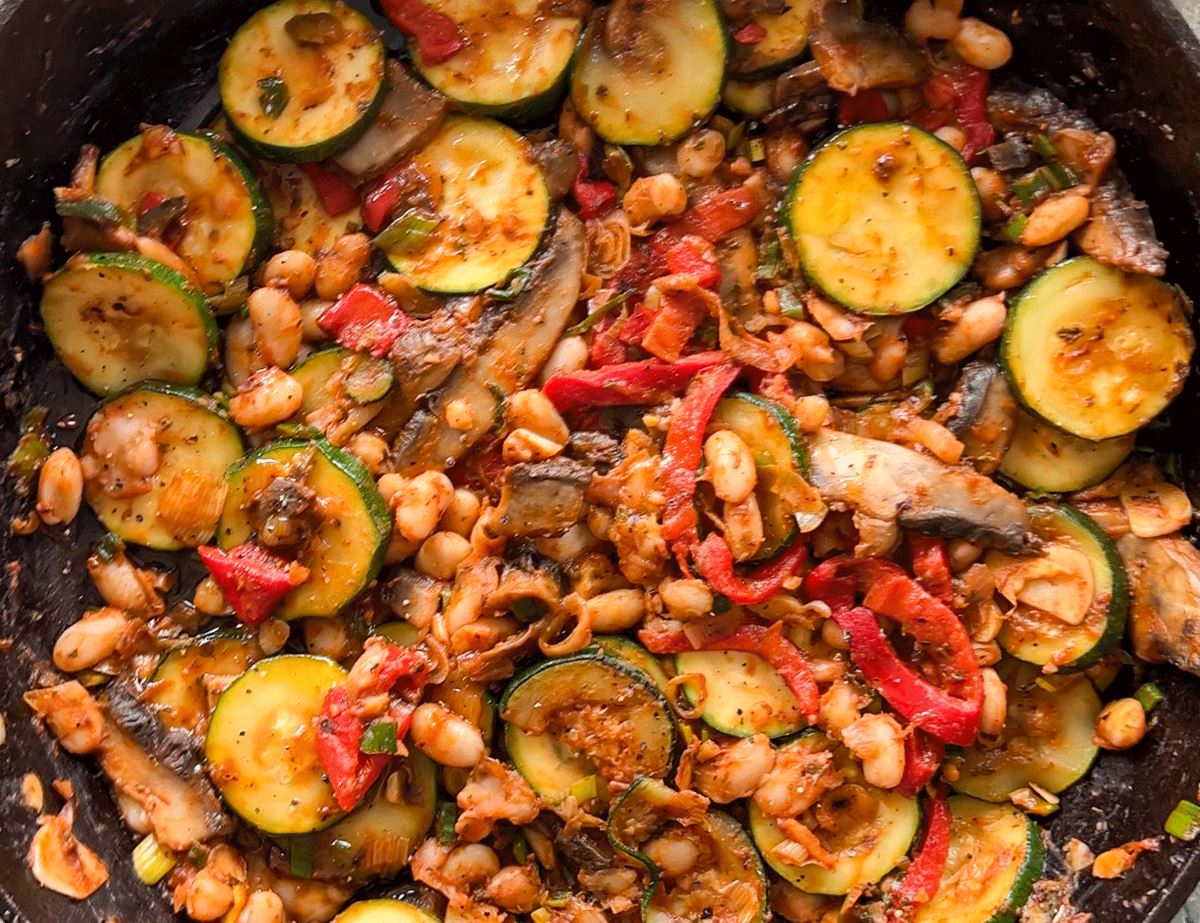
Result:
x=60 y=862
x=1156 y=510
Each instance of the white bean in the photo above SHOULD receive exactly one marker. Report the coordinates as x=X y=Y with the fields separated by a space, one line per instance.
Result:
x=90 y=640
x=515 y=888
x=342 y=266
x=60 y=487
x=700 y=154
x=440 y=555
x=687 y=598
x=878 y=741
x=462 y=512
x=532 y=410
x=262 y=907
x=369 y=449
x=208 y=598
x=1054 y=219
x=616 y=610
x=674 y=854
x=981 y=322
x=995 y=703
x=267 y=397
x=652 y=198
x=569 y=355
x=420 y=504
x=933 y=19
x=446 y=738
x=293 y=270
x=523 y=445
x=1121 y=724
x=470 y=865
x=730 y=466
x=981 y=45
x=277 y=325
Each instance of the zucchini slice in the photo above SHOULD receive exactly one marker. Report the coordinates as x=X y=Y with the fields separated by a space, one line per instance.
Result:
x=337 y=373
x=784 y=44
x=493 y=208
x=996 y=855
x=384 y=910
x=115 y=319
x=743 y=694
x=634 y=655
x=347 y=548
x=1044 y=458
x=177 y=690
x=196 y=446
x=515 y=60
x=786 y=500
x=261 y=744
x=751 y=98
x=1047 y=737
x=229 y=224
x=649 y=78
x=302 y=101
x=1096 y=351
x=586 y=716
x=885 y=218
x=301 y=222
x=875 y=830
x=377 y=839
x=1091 y=584
x=730 y=874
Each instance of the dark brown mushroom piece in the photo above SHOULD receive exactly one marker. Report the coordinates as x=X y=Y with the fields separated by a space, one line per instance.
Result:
x=982 y=412
x=856 y=55
x=542 y=498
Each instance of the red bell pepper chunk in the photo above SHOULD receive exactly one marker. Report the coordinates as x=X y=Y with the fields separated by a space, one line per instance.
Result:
x=438 y=36
x=750 y=34
x=714 y=560
x=683 y=449
x=924 y=876
x=364 y=319
x=716 y=216
x=694 y=256
x=337 y=194
x=607 y=348
x=631 y=330
x=923 y=755
x=383 y=197
x=961 y=93
x=594 y=197
x=932 y=566
x=628 y=383
x=670 y=328
x=252 y=580
x=864 y=106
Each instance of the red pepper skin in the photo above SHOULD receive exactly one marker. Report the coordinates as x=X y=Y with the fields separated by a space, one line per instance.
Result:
x=717 y=215
x=383 y=197
x=959 y=93
x=251 y=579
x=437 y=35
x=924 y=876
x=714 y=561
x=683 y=448
x=606 y=348
x=932 y=566
x=864 y=106
x=694 y=256
x=364 y=319
x=923 y=755
x=594 y=197
x=631 y=330
x=750 y=34
x=336 y=193
x=673 y=324
x=626 y=384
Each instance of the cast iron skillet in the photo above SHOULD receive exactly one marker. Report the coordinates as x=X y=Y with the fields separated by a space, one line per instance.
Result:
x=89 y=70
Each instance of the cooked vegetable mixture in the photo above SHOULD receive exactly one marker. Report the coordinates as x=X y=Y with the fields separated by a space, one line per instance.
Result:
x=665 y=459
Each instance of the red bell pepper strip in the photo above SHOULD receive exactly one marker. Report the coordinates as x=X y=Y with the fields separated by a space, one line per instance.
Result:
x=340 y=727
x=767 y=641
x=631 y=330
x=864 y=106
x=337 y=194
x=932 y=566
x=923 y=755
x=364 y=319
x=606 y=348
x=684 y=447
x=628 y=383
x=695 y=256
x=383 y=197
x=716 y=215
x=594 y=197
x=714 y=561
x=252 y=580
x=924 y=876
x=959 y=93
x=750 y=34
x=670 y=328
x=438 y=36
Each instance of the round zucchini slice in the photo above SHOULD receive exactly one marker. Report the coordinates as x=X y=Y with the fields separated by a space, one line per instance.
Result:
x=115 y=319
x=586 y=716
x=751 y=98
x=177 y=690
x=649 y=78
x=875 y=830
x=634 y=655
x=1096 y=351
x=384 y=910
x=734 y=878
x=514 y=63
x=302 y=79
x=360 y=378
x=261 y=745
x=1073 y=599
x=301 y=222
x=1044 y=458
x=347 y=548
x=196 y=446
x=493 y=208
x=1047 y=737
x=996 y=855
x=228 y=218
x=784 y=44
x=743 y=694
x=377 y=839
x=885 y=218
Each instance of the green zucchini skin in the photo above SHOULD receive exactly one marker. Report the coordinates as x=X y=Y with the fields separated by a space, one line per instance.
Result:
x=300 y=131
x=1041 y=639
x=1047 y=459
x=633 y=655
x=176 y=690
x=744 y=695
x=171 y=336
x=785 y=43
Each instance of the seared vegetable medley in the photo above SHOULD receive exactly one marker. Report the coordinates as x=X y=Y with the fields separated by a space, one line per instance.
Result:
x=657 y=460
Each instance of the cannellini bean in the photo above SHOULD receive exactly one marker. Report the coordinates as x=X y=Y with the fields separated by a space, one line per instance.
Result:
x=262 y=907
x=310 y=317
x=616 y=610
x=993 y=192
x=995 y=703
x=570 y=545
x=686 y=598
x=267 y=397
x=523 y=445
x=125 y=586
x=652 y=198
x=737 y=770
x=90 y=640
x=208 y=598
x=293 y=270
x=981 y=45
x=980 y=323
x=446 y=738
x=462 y=512
x=328 y=637
x=532 y=410
x=241 y=356
x=933 y=19
x=878 y=741
x=276 y=321
x=420 y=503
x=343 y=265
x=1054 y=219
x=730 y=466
x=515 y=888
x=211 y=893
x=570 y=354
x=744 y=528
x=674 y=854
x=459 y=415
x=369 y=449
x=470 y=865
x=273 y=635
x=1121 y=725
x=60 y=487
x=699 y=154
x=440 y=555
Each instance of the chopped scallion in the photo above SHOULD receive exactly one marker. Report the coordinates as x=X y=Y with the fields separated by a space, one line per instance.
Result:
x=520 y=847
x=407 y=233
x=150 y=861
x=447 y=817
x=1184 y=822
x=1149 y=695
x=1015 y=227
x=1044 y=147
x=592 y=319
x=516 y=283
x=300 y=856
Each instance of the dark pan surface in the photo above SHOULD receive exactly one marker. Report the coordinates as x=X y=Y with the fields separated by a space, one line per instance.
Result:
x=91 y=69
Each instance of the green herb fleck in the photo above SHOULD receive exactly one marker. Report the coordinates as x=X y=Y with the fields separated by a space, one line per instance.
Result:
x=514 y=285
x=592 y=319
x=447 y=817
x=273 y=96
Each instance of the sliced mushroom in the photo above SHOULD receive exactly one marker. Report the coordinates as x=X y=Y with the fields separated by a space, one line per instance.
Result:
x=983 y=415
x=60 y=862
x=1164 y=612
x=855 y=55
x=542 y=498
x=414 y=597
